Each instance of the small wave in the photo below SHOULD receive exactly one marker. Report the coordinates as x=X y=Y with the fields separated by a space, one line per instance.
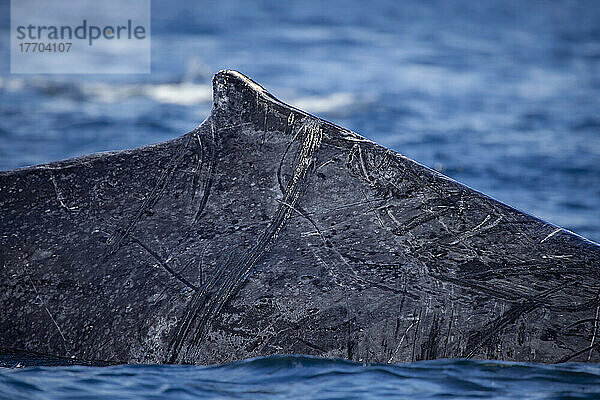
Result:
x=183 y=93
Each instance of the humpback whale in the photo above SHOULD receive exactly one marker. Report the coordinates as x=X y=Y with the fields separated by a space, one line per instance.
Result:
x=267 y=230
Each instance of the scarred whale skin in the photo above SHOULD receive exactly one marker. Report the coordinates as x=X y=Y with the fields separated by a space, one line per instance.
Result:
x=267 y=230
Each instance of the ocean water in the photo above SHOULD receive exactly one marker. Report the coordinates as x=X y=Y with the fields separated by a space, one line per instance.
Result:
x=303 y=377
x=503 y=96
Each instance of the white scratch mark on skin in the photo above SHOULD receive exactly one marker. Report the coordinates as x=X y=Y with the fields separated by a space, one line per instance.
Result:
x=362 y=163
x=558 y=256
x=374 y=210
x=324 y=164
x=478 y=229
x=50 y=315
x=227 y=127
x=439 y=220
x=552 y=234
x=414 y=321
x=387 y=208
x=199 y=142
x=595 y=332
x=59 y=196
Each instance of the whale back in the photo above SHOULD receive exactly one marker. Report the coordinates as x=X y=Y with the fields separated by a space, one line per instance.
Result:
x=267 y=230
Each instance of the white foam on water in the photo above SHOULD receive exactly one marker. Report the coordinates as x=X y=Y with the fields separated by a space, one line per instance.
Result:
x=182 y=93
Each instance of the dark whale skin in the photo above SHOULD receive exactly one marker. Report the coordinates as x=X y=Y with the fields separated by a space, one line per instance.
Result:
x=267 y=230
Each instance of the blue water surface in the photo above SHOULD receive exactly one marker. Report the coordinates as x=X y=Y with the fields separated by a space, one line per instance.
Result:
x=303 y=377
x=501 y=95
